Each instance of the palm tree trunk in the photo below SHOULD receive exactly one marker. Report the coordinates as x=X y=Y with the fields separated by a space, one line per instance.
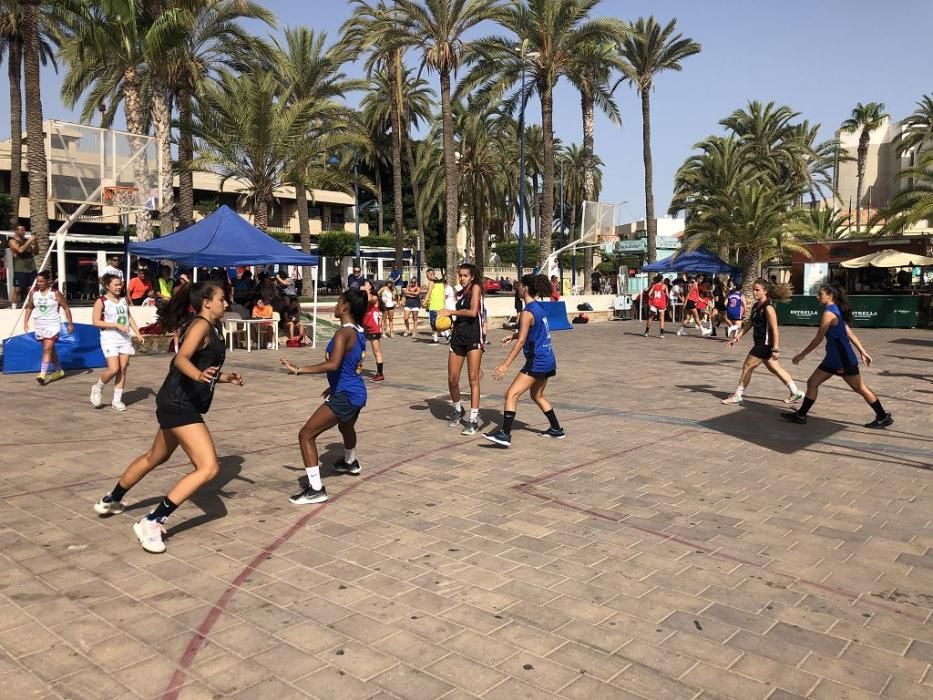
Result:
x=535 y=210
x=416 y=191
x=261 y=214
x=135 y=124
x=185 y=155
x=304 y=227
x=15 y=74
x=397 y=155
x=479 y=236
x=589 y=181
x=38 y=169
x=452 y=209
x=573 y=237
x=381 y=222
x=862 y=155
x=650 y=222
x=547 y=208
x=750 y=262
x=162 y=124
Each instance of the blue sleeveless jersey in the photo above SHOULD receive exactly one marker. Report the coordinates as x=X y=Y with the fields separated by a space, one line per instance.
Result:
x=346 y=379
x=839 y=352
x=539 y=356
x=734 y=306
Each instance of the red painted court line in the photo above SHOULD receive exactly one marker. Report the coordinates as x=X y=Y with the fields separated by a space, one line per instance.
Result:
x=204 y=629
x=711 y=552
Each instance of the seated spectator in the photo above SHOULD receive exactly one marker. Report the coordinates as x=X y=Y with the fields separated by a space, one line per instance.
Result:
x=264 y=310
x=291 y=321
x=166 y=285
x=243 y=289
x=139 y=290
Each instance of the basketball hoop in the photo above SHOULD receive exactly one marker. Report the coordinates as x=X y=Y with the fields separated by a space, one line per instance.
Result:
x=119 y=197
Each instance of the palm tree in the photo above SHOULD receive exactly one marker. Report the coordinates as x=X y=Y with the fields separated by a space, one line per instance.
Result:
x=437 y=29
x=648 y=50
x=213 y=39
x=30 y=29
x=918 y=127
x=11 y=45
x=372 y=27
x=823 y=224
x=309 y=71
x=913 y=204
x=552 y=35
x=246 y=132
x=864 y=119
x=589 y=72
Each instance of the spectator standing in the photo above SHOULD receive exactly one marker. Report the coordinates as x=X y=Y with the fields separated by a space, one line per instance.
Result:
x=555 y=288
x=396 y=277
x=287 y=284
x=24 y=263
x=243 y=289
x=166 y=285
x=112 y=268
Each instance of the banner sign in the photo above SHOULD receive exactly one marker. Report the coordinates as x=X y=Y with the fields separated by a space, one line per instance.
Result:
x=867 y=311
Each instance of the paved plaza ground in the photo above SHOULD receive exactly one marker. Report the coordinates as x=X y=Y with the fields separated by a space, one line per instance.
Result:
x=670 y=547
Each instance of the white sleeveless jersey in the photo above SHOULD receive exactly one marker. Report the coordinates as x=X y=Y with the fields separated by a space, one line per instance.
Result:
x=45 y=308
x=115 y=312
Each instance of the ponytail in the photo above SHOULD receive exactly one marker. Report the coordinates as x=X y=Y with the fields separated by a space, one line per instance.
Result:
x=177 y=313
x=840 y=299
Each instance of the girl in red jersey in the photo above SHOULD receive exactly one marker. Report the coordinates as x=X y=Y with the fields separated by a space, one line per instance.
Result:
x=693 y=307
x=657 y=304
x=372 y=325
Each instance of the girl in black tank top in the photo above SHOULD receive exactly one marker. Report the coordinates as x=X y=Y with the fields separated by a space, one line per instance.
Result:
x=466 y=343
x=186 y=393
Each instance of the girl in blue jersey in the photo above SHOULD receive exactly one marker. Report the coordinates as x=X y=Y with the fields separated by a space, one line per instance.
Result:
x=344 y=397
x=534 y=339
x=840 y=358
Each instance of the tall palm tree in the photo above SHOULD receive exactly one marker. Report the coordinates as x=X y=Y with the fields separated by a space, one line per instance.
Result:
x=11 y=46
x=247 y=133
x=649 y=50
x=372 y=28
x=310 y=71
x=864 y=119
x=917 y=129
x=437 y=29
x=824 y=223
x=552 y=34
x=590 y=71
x=213 y=39
x=38 y=191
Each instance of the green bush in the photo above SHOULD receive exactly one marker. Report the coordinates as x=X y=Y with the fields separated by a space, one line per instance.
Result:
x=437 y=257
x=282 y=236
x=335 y=245
x=508 y=253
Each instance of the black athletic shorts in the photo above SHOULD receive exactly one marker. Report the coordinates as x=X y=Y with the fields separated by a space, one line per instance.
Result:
x=176 y=419
x=341 y=407
x=538 y=375
x=850 y=371
x=458 y=347
x=373 y=336
x=690 y=305
x=23 y=280
x=762 y=352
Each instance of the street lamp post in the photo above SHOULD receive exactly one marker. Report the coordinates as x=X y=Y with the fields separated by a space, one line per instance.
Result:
x=563 y=229
x=356 y=207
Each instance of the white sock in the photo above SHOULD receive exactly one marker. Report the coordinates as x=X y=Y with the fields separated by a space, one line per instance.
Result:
x=314 y=477
x=349 y=455
x=99 y=384
x=458 y=405
x=474 y=414
x=792 y=388
x=435 y=337
x=117 y=395
x=739 y=390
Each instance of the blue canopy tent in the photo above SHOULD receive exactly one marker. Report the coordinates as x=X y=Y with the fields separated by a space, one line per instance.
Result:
x=700 y=260
x=225 y=239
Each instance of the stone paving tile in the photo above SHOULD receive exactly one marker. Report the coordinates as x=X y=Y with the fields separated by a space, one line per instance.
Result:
x=766 y=561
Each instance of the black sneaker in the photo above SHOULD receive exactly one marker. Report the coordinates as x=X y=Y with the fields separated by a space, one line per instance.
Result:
x=881 y=422
x=500 y=437
x=341 y=467
x=455 y=417
x=556 y=433
x=471 y=428
x=645 y=333
x=794 y=417
x=308 y=496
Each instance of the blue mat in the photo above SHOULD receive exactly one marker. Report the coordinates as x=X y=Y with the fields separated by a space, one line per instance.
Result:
x=78 y=350
x=556 y=315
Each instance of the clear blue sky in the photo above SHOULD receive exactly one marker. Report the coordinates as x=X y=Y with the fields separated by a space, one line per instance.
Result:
x=820 y=57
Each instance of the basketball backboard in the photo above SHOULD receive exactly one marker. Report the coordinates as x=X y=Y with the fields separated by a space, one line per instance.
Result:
x=87 y=164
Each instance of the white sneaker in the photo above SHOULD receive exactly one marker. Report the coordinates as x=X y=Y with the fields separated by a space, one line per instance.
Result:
x=103 y=507
x=706 y=331
x=96 y=394
x=118 y=406
x=680 y=331
x=735 y=399
x=794 y=398
x=149 y=534
x=732 y=330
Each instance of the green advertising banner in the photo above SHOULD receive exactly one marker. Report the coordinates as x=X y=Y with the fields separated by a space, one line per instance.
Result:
x=867 y=311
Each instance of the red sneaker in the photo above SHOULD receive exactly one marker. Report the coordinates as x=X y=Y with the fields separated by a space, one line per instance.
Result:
x=377 y=378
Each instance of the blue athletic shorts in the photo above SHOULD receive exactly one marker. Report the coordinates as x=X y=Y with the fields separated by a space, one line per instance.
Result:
x=341 y=407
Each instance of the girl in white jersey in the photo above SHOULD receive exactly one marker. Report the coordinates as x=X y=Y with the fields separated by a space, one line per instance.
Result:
x=112 y=315
x=44 y=306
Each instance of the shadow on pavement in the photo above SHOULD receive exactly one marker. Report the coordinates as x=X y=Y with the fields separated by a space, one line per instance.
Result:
x=912 y=341
x=138 y=394
x=210 y=499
